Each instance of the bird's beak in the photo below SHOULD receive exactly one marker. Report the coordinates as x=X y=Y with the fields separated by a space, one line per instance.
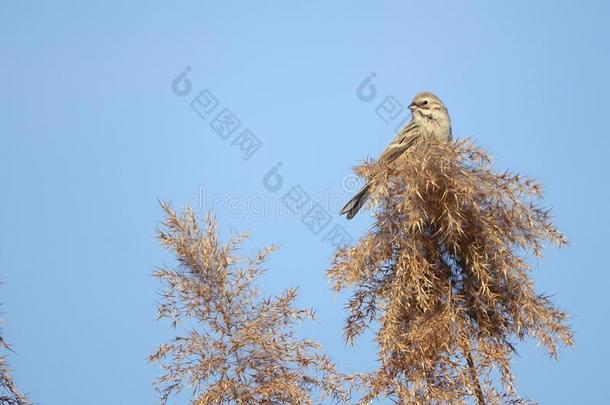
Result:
x=412 y=106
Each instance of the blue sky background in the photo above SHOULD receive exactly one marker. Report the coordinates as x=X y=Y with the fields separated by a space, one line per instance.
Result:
x=91 y=135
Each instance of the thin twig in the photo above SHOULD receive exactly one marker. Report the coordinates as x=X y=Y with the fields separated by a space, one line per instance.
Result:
x=475 y=379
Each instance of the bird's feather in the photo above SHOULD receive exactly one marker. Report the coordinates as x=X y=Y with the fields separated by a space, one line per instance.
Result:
x=357 y=201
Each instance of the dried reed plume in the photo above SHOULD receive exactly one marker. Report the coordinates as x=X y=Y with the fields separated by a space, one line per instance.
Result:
x=237 y=347
x=445 y=272
x=9 y=394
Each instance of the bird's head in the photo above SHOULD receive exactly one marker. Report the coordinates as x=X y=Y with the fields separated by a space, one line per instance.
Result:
x=427 y=105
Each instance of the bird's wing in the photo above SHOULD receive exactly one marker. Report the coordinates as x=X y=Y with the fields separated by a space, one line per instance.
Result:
x=407 y=137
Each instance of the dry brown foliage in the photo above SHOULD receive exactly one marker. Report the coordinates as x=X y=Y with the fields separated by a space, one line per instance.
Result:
x=9 y=394
x=240 y=348
x=445 y=273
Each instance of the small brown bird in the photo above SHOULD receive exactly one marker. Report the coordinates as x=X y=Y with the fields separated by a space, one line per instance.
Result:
x=429 y=119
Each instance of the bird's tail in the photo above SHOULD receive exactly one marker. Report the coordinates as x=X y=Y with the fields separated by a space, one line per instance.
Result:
x=357 y=201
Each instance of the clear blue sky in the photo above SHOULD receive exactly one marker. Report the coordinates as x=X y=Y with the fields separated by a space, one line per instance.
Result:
x=91 y=135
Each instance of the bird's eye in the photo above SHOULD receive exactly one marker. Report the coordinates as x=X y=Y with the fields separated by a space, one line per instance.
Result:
x=425 y=102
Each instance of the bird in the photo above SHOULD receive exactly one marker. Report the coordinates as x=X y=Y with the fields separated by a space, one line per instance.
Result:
x=429 y=119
